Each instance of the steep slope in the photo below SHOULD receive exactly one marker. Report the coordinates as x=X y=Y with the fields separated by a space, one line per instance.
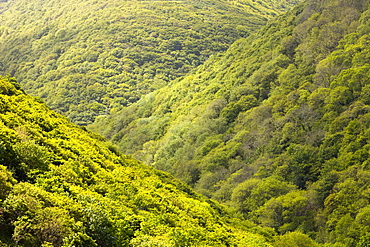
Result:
x=278 y=126
x=63 y=186
x=87 y=58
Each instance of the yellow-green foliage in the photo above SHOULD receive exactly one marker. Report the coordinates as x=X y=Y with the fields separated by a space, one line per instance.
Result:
x=61 y=185
x=277 y=126
x=89 y=58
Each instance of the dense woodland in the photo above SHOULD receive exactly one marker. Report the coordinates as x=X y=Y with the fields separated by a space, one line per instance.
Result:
x=273 y=133
x=61 y=185
x=276 y=127
x=88 y=58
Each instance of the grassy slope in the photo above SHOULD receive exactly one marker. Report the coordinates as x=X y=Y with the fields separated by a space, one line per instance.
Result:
x=89 y=58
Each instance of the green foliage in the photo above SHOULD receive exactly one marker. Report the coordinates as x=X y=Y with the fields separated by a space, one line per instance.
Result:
x=293 y=239
x=277 y=126
x=287 y=212
x=6 y=182
x=61 y=185
x=253 y=193
x=91 y=58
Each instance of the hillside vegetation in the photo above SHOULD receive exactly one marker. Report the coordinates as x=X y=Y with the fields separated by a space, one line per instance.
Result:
x=278 y=126
x=88 y=58
x=63 y=186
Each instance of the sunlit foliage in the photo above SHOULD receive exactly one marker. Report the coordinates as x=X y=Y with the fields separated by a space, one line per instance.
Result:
x=89 y=58
x=277 y=126
x=61 y=185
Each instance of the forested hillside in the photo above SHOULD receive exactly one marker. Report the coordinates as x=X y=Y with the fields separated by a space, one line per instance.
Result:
x=63 y=186
x=278 y=126
x=87 y=58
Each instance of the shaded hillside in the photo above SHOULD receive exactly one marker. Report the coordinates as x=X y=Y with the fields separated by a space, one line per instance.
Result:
x=278 y=126
x=63 y=186
x=88 y=58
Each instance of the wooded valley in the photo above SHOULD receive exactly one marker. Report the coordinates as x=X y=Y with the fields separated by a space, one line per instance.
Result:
x=89 y=58
x=253 y=125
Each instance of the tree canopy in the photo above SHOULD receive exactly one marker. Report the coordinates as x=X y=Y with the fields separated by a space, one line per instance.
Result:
x=88 y=58
x=61 y=185
x=276 y=126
